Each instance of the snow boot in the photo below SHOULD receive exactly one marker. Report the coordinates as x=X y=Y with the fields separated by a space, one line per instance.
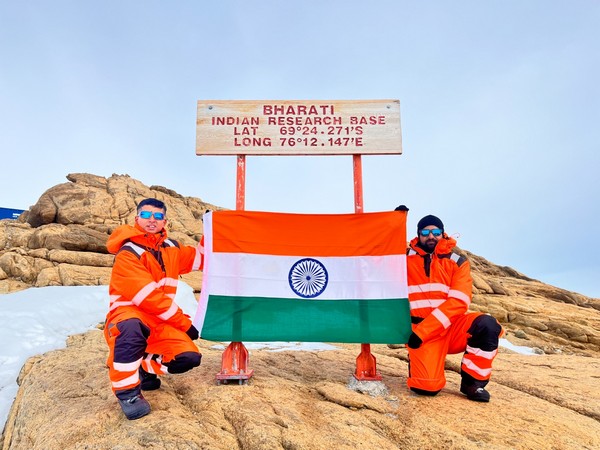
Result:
x=477 y=394
x=474 y=389
x=133 y=405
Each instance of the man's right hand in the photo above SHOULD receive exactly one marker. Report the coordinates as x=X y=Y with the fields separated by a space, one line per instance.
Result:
x=192 y=332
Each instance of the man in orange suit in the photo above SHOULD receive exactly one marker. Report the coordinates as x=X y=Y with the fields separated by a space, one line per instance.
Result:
x=439 y=292
x=147 y=332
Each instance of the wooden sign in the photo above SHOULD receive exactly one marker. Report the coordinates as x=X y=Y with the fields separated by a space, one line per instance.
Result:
x=298 y=127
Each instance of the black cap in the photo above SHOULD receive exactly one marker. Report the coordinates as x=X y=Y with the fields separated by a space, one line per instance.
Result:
x=430 y=220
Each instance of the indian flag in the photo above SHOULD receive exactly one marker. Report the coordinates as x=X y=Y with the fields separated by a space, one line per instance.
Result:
x=304 y=277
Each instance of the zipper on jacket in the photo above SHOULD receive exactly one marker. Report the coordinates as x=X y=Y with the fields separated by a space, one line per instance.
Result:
x=427 y=264
x=157 y=254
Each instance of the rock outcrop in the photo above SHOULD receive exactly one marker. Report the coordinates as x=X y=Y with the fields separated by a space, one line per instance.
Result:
x=61 y=240
x=296 y=400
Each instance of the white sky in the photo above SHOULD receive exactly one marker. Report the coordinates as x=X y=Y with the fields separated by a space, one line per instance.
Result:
x=38 y=320
x=499 y=105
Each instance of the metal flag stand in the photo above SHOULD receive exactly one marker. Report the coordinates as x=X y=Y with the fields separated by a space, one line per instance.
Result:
x=235 y=359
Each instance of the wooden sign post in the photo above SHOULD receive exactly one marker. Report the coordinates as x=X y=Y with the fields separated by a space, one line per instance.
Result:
x=297 y=127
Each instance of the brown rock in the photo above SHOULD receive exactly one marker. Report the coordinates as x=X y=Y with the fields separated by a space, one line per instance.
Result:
x=481 y=284
x=13 y=234
x=71 y=275
x=81 y=258
x=73 y=237
x=301 y=400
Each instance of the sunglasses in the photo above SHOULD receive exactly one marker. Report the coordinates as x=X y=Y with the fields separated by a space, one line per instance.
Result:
x=436 y=232
x=148 y=214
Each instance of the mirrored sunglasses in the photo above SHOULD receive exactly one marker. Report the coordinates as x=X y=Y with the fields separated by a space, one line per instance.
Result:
x=436 y=232
x=148 y=214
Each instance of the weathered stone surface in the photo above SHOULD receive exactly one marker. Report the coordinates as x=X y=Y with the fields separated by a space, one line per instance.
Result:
x=301 y=400
x=14 y=234
x=81 y=258
x=481 y=285
x=21 y=267
x=71 y=275
x=73 y=237
x=48 y=277
x=9 y=285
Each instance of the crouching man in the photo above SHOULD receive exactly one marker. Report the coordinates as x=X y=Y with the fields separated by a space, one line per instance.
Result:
x=147 y=332
x=439 y=291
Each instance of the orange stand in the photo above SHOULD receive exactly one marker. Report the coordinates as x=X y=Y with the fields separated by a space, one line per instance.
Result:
x=234 y=362
x=366 y=364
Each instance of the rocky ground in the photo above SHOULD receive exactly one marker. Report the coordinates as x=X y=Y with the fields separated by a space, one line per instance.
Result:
x=295 y=400
x=302 y=400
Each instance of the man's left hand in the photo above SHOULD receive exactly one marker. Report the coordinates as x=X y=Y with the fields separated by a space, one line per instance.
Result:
x=414 y=341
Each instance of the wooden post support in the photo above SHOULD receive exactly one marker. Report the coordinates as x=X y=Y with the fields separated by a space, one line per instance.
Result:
x=366 y=364
x=234 y=362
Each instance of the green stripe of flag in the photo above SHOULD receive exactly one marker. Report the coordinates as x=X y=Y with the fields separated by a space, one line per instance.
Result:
x=261 y=319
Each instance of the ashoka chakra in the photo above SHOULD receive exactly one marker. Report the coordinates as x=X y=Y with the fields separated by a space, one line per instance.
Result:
x=308 y=278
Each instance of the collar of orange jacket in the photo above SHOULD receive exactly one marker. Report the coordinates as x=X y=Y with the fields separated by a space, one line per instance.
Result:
x=444 y=246
x=134 y=234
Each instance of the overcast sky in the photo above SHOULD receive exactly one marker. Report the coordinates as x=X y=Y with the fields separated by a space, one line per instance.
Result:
x=499 y=105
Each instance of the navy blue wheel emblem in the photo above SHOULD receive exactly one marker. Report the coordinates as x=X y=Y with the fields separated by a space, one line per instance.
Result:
x=308 y=278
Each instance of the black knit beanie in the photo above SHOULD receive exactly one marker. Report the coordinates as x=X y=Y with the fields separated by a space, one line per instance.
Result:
x=429 y=220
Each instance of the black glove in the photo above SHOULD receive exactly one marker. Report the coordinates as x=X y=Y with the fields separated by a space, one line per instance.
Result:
x=414 y=341
x=192 y=332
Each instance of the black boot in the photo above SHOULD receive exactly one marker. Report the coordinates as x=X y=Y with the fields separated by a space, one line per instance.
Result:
x=474 y=389
x=477 y=394
x=133 y=403
x=149 y=381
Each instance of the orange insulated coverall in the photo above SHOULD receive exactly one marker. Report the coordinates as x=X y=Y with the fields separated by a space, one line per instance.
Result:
x=144 y=325
x=439 y=292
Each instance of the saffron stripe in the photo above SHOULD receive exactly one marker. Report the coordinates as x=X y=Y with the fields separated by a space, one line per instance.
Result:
x=311 y=234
